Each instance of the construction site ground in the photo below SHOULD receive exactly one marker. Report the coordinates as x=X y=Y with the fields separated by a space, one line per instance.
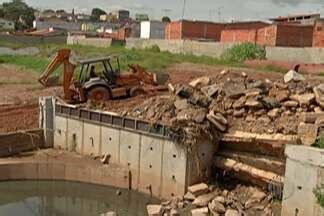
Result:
x=20 y=91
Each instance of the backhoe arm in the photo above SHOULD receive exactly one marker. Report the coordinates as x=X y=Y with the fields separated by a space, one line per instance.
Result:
x=62 y=57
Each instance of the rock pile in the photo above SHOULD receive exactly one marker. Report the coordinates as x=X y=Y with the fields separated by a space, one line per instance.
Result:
x=202 y=199
x=228 y=103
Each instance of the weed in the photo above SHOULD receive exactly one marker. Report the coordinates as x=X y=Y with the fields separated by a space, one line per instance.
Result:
x=319 y=143
x=245 y=51
x=319 y=194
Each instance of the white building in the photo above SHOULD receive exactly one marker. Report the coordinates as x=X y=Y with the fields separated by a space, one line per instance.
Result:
x=152 y=30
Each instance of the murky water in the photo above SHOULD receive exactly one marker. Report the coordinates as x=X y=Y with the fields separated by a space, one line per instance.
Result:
x=58 y=198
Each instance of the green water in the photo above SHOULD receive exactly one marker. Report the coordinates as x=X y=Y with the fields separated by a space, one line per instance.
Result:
x=58 y=198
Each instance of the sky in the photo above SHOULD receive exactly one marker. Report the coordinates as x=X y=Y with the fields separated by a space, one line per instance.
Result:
x=212 y=10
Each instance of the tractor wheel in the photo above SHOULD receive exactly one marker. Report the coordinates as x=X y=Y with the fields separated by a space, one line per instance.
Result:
x=98 y=93
x=137 y=91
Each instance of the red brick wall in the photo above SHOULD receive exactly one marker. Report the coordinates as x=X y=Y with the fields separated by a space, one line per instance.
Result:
x=318 y=37
x=194 y=30
x=267 y=36
x=246 y=25
x=294 y=36
x=239 y=36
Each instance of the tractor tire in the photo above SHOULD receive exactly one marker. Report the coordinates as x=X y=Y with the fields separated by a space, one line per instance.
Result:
x=137 y=91
x=98 y=93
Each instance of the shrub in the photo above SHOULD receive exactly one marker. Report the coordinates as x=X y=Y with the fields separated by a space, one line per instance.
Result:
x=154 y=48
x=245 y=51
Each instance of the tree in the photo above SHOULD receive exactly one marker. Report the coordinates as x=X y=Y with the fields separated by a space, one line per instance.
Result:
x=166 y=19
x=96 y=13
x=19 y=12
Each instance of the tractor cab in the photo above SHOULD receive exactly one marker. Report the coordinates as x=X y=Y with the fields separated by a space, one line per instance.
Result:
x=107 y=68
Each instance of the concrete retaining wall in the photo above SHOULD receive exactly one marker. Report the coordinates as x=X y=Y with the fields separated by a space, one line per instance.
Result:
x=33 y=40
x=82 y=40
x=68 y=168
x=304 y=172
x=213 y=49
x=303 y=55
x=157 y=164
x=181 y=46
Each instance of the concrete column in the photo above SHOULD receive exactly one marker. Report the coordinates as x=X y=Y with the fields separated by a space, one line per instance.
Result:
x=46 y=119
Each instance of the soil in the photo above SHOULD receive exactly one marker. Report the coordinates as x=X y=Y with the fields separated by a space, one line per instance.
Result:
x=312 y=69
x=19 y=98
x=20 y=91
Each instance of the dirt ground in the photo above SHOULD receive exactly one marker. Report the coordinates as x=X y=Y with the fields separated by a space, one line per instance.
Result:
x=20 y=92
x=19 y=98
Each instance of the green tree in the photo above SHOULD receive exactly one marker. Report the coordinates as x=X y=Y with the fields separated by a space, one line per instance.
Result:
x=166 y=19
x=19 y=12
x=96 y=13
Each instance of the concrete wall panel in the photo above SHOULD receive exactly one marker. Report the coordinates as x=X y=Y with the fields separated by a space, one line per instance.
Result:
x=130 y=154
x=174 y=170
x=74 y=135
x=110 y=143
x=151 y=164
x=91 y=139
x=60 y=136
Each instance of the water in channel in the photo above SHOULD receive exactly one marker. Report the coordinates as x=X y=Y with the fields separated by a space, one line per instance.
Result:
x=59 y=198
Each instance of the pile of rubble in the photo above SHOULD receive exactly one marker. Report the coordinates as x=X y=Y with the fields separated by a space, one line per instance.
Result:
x=202 y=199
x=227 y=103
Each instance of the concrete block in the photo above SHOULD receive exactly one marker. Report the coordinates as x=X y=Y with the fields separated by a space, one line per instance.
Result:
x=46 y=119
x=303 y=175
x=96 y=175
x=130 y=154
x=60 y=130
x=151 y=165
x=110 y=143
x=74 y=135
x=91 y=139
x=84 y=174
x=173 y=170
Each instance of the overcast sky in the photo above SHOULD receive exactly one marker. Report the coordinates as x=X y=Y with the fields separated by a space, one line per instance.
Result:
x=213 y=10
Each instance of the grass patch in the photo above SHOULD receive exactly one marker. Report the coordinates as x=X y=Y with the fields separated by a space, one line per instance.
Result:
x=34 y=63
x=151 y=58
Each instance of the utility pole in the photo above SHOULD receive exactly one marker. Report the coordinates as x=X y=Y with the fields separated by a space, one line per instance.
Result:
x=183 y=9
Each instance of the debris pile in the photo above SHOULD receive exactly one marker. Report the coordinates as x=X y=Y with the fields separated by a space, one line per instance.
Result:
x=228 y=103
x=202 y=199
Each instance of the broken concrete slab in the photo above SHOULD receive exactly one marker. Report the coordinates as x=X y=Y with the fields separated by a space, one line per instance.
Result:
x=290 y=104
x=199 y=82
x=210 y=91
x=293 y=76
x=319 y=94
x=181 y=104
x=252 y=103
x=274 y=113
x=304 y=99
x=198 y=189
x=154 y=210
x=200 y=212
x=203 y=200
x=233 y=89
x=240 y=103
x=216 y=207
x=231 y=212
x=239 y=113
x=307 y=133
x=189 y=196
